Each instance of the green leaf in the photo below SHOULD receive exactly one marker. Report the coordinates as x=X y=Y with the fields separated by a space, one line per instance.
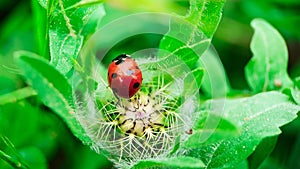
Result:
x=29 y=157
x=241 y=165
x=294 y=93
x=262 y=151
x=203 y=135
x=272 y=163
x=293 y=160
x=259 y=116
x=88 y=159
x=180 y=162
x=39 y=16
x=85 y=3
x=267 y=70
x=206 y=15
x=9 y=154
x=70 y=24
x=15 y=118
x=297 y=82
x=198 y=73
x=34 y=157
x=37 y=69
x=190 y=36
x=215 y=81
x=17 y=95
x=15 y=33
x=52 y=87
x=192 y=80
x=178 y=71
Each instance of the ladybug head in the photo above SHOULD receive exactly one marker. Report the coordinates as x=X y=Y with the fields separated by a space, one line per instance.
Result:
x=121 y=57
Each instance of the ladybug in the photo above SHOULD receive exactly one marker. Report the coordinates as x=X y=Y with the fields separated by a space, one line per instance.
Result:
x=124 y=76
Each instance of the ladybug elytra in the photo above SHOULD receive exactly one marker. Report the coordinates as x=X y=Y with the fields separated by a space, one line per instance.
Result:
x=124 y=76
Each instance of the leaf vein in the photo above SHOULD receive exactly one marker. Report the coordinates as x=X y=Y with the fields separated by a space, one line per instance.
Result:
x=267 y=59
x=267 y=109
x=67 y=19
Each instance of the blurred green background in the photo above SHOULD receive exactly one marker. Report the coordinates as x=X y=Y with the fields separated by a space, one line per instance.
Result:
x=43 y=139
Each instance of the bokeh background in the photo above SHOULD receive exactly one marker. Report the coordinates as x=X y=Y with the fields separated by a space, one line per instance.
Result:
x=41 y=137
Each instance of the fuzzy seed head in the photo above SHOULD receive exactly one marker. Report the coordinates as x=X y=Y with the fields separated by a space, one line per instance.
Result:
x=144 y=126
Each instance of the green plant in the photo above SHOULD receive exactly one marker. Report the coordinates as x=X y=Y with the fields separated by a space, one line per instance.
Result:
x=194 y=119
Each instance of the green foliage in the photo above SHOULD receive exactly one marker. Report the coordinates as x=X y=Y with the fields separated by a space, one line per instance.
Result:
x=205 y=15
x=190 y=36
x=39 y=17
x=180 y=162
x=285 y=20
x=203 y=135
x=69 y=24
x=294 y=93
x=17 y=95
x=239 y=131
x=262 y=151
x=52 y=87
x=34 y=157
x=215 y=82
x=267 y=70
x=16 y=132
x=198 y=73
x=10 y=154
x=257 y=122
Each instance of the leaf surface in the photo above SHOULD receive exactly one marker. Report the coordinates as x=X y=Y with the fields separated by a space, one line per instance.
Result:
x=70 y=24
x=180 y=162
x=203 y=135
x=190 y=36
x=52 y=87
x=259 y=116
x=267 y=70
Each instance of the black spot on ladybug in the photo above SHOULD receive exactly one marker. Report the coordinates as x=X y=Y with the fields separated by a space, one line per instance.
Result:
x=129 y=72
x=137 y=67
x=136 y=85
x=114 y=75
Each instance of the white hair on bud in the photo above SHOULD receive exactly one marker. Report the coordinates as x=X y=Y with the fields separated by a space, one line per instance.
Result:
x=142 y=127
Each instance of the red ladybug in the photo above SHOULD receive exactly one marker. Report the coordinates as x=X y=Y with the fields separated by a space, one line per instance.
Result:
x=124 y=76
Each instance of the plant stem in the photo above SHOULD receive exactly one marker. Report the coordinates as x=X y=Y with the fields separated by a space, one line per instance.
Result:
x=17 y=95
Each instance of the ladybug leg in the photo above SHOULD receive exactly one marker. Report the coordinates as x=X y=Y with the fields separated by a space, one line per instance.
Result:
x=119 y=102
x=116 y=95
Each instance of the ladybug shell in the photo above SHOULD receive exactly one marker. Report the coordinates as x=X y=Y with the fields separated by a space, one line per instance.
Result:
x=124 y=76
